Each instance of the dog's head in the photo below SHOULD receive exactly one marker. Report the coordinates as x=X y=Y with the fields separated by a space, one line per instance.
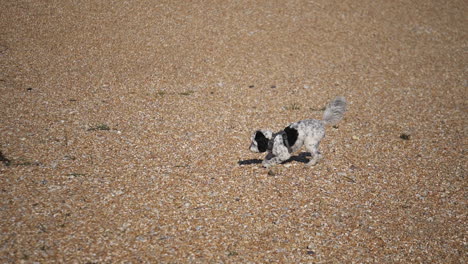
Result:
x=260 y=140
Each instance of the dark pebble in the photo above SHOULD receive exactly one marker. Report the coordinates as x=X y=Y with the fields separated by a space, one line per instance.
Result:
x=4 y=159
x=405 y=136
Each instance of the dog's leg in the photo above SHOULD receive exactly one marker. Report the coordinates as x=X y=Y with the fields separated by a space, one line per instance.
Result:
x=271 y=159
x=312 y=147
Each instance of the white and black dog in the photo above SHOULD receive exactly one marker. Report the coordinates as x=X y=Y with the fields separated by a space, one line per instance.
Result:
x=306 y=133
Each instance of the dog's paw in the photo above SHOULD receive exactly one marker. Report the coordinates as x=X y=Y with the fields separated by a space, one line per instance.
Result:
x=314 y=160
x=266 y=164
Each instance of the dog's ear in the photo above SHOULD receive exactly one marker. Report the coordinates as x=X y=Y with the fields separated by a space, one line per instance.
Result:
x=262 y=141
x=292 y=135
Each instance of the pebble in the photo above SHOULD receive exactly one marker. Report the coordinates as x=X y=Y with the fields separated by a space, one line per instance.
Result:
x=405 y=136
x=141 y=238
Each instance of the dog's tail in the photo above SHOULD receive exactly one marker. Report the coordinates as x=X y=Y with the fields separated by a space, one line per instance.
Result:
x=334 y=111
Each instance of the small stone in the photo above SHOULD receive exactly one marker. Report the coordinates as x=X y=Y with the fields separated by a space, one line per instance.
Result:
x=355 y=138
x=405 y=136
x=4 y=160
x=311 y=246
x=271 y=173
x=54 y=164
x=117 y=193
x=141 y=238
x=124 y=227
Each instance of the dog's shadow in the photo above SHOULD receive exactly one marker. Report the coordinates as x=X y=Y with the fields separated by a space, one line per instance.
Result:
x=249 y=162
x=302 y=157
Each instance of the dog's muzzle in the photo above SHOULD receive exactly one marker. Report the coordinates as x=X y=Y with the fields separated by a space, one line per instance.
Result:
x=253 y=148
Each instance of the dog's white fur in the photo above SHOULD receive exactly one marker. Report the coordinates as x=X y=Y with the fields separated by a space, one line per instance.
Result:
x=306 y=133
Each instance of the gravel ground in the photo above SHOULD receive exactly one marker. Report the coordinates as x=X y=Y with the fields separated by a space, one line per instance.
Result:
x=125 y=127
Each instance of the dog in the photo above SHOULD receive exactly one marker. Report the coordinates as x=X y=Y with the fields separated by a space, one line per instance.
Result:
x=306 y=133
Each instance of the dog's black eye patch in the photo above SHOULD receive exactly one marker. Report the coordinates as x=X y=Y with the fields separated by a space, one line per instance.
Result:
x=262 y=141
x=292 y=135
